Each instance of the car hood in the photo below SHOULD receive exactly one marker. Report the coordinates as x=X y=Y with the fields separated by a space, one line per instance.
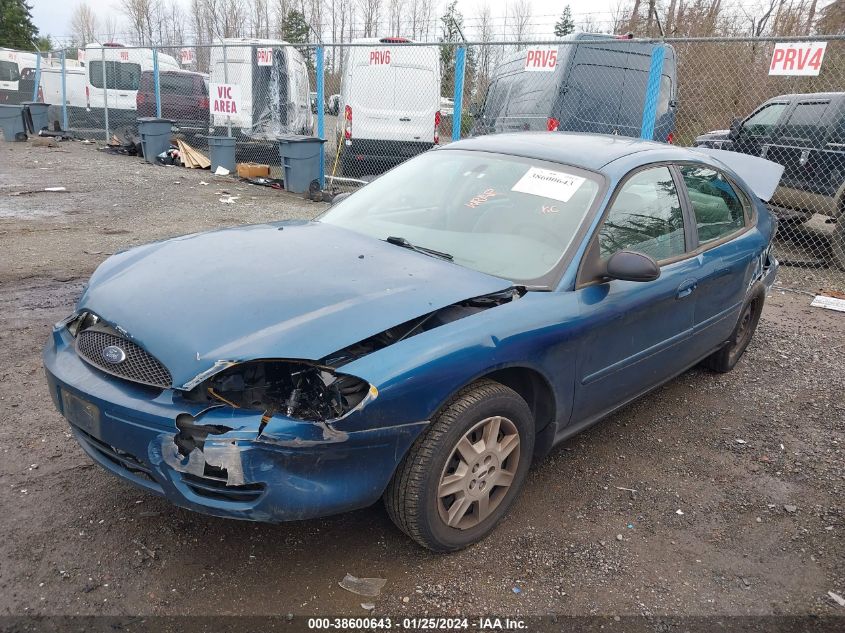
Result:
x=297 y=290
x=715 y=135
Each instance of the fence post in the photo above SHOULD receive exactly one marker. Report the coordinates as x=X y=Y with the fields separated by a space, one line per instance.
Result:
x=156 y=83
x=226 y=81
x=105 y=91
x=64 y=91
x=37 y=76
x=321 y=131
x=652 y=92
x=460 y=62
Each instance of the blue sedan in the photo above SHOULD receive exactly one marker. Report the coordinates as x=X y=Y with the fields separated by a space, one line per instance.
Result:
x=424 y=340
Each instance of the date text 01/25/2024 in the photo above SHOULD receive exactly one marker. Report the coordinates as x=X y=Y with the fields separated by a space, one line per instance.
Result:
x=417 y=624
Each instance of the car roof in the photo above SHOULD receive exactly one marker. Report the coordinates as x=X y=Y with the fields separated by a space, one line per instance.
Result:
x=807 y=95
x=590 y=151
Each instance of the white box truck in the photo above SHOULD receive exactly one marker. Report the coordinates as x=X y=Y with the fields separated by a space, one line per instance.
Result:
x=389 y=104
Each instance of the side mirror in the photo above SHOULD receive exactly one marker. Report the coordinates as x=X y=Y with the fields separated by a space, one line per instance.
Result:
x=736 y=126
x=341 y=196
x=632 y=266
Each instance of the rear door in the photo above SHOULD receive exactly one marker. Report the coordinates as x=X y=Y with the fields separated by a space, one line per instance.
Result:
x=9 y=78
x=416 y=99
x=592 y=98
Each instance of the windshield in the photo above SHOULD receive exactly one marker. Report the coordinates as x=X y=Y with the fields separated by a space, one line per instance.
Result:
x=505 y=216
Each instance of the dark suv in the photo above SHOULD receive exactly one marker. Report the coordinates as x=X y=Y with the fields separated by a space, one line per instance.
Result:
x=806 y=134
x=184 y=99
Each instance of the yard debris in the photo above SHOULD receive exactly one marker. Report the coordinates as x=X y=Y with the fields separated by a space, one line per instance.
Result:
x=369 y=606
x=55 y=189
x=31 y=191
x=837 y=598
x=229 y=199
x=679 y=512
x=831 y=303
x=370 y=587
x=738 y=441
x=790 y=508
x=191 y=158
x=221 y=171
x=253 y=170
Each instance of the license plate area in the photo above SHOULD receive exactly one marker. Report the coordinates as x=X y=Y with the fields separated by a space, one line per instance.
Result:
x=81 y=413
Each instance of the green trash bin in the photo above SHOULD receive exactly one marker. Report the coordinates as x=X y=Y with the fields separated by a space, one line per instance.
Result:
x=155 y=137
x=12 y=122
x=36 y=116
x=221 y=153
x=300 y=156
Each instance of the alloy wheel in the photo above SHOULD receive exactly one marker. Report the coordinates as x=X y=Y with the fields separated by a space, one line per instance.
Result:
x=478 y=473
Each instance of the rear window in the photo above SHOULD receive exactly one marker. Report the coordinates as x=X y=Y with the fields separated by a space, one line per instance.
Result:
x=119 y=75
x=417 y=89
x=178 y=84
x=9 y=71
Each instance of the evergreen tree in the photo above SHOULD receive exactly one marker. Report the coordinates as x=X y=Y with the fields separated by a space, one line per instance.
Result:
x=295 y=30
x=565 y=25
x=16 y=27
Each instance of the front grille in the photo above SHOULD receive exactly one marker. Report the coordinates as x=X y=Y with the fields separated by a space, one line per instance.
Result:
x=138 y=366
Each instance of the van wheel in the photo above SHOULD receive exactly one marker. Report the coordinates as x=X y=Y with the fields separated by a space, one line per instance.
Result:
x=465 y=470
x=726 y=358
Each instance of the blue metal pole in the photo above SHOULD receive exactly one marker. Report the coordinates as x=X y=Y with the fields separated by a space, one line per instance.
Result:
x=321 y=130
x=652 y=92
x=460 y=62
x=37 y=76
x=156 y=82
x=64 y=91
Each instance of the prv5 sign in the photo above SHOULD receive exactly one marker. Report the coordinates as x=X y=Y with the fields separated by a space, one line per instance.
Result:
x=542 y=59
x=797 y=58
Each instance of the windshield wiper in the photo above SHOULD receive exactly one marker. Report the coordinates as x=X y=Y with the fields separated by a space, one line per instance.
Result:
x=401 y=241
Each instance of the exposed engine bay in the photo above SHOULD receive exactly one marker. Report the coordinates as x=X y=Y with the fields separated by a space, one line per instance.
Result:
x=295 y=389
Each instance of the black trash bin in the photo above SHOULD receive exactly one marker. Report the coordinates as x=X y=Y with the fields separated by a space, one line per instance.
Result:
x=35 y=114
x=12 y=122
x=155 y=136
x=300 y=156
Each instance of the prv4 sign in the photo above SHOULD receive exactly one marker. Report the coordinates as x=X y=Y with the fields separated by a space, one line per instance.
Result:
x=543 y=59
x=225 y=99
x=797 y=58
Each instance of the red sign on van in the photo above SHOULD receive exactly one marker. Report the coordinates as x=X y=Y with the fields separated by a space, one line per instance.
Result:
x=225 y=98
x=380 y=58
x=264 y=56
x=797 y=58
x=541 y=59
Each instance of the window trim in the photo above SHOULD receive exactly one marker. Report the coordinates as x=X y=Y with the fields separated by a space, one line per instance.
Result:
x=750 y=215
x=775 y=126
x=591 y=253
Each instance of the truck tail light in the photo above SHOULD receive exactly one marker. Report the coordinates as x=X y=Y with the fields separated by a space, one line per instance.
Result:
x=204 y=104
x=40 y=94
x=670 y=137
x=552 y=124
x=437 y=120
x=347 y=126
x=140 y=99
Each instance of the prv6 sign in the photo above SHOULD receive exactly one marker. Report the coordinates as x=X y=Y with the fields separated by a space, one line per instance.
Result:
x=224 y=99
x=797 y=58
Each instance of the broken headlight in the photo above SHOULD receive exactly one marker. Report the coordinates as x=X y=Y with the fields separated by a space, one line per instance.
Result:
x=82 y=321
x=295 y=389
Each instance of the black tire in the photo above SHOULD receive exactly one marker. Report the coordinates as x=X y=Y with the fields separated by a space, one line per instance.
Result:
x=412 y=499
x=727 y=357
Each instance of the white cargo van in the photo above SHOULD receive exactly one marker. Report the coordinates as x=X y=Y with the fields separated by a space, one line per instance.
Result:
x=274 y=86
x=51 y=91
x=123 y=78
x=12 y=62
x=389 y=104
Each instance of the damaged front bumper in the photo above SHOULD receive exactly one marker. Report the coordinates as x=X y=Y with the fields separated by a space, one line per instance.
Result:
x=247 y=468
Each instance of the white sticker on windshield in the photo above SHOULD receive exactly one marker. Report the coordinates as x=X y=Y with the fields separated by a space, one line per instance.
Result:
x=549 y=184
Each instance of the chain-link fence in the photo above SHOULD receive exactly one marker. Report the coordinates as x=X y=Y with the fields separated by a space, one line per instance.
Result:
x=378 y=102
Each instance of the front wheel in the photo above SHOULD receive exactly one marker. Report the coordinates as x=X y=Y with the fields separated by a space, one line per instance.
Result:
x=727 y=357
x=463 y=473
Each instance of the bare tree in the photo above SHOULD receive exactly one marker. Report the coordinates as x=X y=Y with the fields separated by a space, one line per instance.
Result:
x=108 y=29
x=84 y=24
x=370 y=14
x=520 y=11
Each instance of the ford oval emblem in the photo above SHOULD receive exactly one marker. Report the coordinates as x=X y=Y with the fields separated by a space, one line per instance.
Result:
x=113 y=355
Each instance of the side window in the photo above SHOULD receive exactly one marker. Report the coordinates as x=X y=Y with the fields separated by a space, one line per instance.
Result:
x=717 y=208
x=805 y=123
x=764 y=120
x=646 y=217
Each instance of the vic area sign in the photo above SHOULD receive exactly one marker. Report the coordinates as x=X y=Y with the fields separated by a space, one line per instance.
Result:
x=797 y=58
x=225 y=98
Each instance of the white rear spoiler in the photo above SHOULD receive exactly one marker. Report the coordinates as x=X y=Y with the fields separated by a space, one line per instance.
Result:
x=761 y=175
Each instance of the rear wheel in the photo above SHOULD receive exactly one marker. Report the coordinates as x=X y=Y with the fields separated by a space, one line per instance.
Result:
x=726 y=358
x=463 y=473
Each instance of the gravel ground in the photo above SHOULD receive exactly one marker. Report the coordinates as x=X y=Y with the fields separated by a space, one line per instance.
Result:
x=714 y=495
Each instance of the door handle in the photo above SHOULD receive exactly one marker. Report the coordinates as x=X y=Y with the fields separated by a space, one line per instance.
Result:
x=404 y=119
x=686 y=289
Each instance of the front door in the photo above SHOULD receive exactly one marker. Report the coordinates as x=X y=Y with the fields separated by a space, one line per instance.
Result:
x=635 y=330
